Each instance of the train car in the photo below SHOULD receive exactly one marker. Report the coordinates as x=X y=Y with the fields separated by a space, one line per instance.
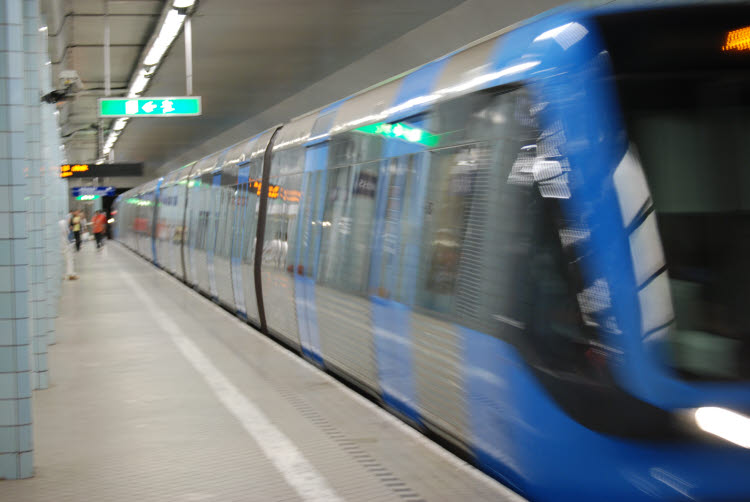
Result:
x=534 y=248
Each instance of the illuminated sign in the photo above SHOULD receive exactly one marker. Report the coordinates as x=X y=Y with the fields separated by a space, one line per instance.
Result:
x=98 y=191
x=68 y=170
x=101 y=170
x=150 y=107
x=275 y=191
x=401 y=131
x=738 y=40
x=87 y=197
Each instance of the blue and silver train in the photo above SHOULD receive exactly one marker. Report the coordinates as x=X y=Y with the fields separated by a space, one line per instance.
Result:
x=535 y=248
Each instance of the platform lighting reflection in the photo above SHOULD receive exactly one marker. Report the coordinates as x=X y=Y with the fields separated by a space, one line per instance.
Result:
x=566 y=35
x=440 y=94
x=738 y=40
x=724 y=423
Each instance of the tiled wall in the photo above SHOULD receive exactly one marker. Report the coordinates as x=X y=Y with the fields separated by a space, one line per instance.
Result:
x=32 y=199
x=15 y=383
x=36 y=202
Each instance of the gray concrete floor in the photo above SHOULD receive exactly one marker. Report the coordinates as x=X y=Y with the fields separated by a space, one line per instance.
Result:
x=128 y=417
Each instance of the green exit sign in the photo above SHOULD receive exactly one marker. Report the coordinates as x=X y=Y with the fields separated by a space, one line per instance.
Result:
x=150 y=107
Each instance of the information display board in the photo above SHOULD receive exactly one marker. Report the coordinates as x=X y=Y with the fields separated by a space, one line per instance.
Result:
x=101 y=170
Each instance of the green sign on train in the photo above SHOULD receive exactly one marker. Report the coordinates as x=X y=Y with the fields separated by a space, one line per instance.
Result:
x=150 y=107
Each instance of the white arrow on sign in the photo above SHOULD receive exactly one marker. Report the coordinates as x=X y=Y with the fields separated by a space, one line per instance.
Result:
x=149 y=107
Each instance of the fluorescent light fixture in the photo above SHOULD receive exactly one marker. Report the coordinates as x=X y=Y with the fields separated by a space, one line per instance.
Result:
x=182 y=4
x=168 y=32
x=43 y=28
x=99 y=162
x=139 y=84
x=724 y=423
x=120 y=124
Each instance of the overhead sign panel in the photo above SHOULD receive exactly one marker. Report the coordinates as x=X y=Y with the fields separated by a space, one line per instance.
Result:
x=188 y=106
x=101 y=170
x=92 y=191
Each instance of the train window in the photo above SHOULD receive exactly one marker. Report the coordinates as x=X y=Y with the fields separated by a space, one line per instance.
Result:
x=687 y=116
x=475 y=230
x=250 y=203
x=351 y=148
x=347 y=236
x=283 y=206
x=694 y=147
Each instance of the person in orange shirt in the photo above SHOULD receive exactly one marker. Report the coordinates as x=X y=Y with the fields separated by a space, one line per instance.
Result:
x=99 y=223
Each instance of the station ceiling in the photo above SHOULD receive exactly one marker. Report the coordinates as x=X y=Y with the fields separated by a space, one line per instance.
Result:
x=247 y=56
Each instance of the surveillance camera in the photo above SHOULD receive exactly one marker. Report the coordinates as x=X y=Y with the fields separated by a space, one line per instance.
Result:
x=53 y=97
x=70 y=81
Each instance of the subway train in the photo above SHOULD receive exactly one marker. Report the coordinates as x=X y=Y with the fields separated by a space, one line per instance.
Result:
x=534 y=248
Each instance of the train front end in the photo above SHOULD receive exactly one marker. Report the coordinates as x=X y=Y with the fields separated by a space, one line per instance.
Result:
x=655 y=123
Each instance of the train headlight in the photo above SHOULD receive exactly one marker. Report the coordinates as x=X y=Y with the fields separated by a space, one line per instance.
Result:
x=724 y=423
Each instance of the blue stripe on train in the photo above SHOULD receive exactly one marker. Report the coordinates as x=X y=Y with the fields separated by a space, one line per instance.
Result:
x=238 y=237
x=156 y=222
x=316 y=158
x=395 y=355
x=417 y=84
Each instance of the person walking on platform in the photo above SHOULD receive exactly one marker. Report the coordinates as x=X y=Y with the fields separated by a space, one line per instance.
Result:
x=99 y=222
x=75 y=226
x=65 y=246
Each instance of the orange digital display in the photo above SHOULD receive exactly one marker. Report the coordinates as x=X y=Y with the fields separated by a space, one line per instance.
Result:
x=275 y=191
x=738 y=40
x=68 y=169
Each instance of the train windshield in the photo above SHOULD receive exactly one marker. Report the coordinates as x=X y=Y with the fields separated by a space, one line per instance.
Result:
x=684 y=86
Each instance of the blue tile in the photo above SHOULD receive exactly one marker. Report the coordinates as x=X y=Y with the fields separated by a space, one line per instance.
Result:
x=6 y=305
x=9 y=412
x=8 y=387
x=26 y=463
x=11 y=13
x=21 y=305
x=5 y=248
x=7 y=334
x=9 y=438
x=24 y=384
x=9 y=466
x=25 y=437
x=24 y=410
x=20 y=278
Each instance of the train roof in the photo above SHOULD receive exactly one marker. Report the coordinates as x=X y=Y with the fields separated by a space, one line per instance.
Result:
x=466 y=69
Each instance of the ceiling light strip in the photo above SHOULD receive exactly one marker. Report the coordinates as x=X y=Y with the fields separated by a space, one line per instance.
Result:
x=169 y=28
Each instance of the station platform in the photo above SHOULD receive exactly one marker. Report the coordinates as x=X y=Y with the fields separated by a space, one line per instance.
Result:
x=158 y=394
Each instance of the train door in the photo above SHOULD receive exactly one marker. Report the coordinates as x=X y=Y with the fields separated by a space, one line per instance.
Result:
x=393 y=269
x=308 y=248
x=238 y=236
x=213 y=227
x=155 y=221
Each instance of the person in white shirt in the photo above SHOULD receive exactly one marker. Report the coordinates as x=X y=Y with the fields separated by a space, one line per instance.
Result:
x=66 y=246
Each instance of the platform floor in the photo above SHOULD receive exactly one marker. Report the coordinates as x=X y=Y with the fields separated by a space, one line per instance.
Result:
x=158 y=394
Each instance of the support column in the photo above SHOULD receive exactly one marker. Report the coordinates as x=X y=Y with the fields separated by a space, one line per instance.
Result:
x=35 y=201
x=51 y=176
x=15 y=383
